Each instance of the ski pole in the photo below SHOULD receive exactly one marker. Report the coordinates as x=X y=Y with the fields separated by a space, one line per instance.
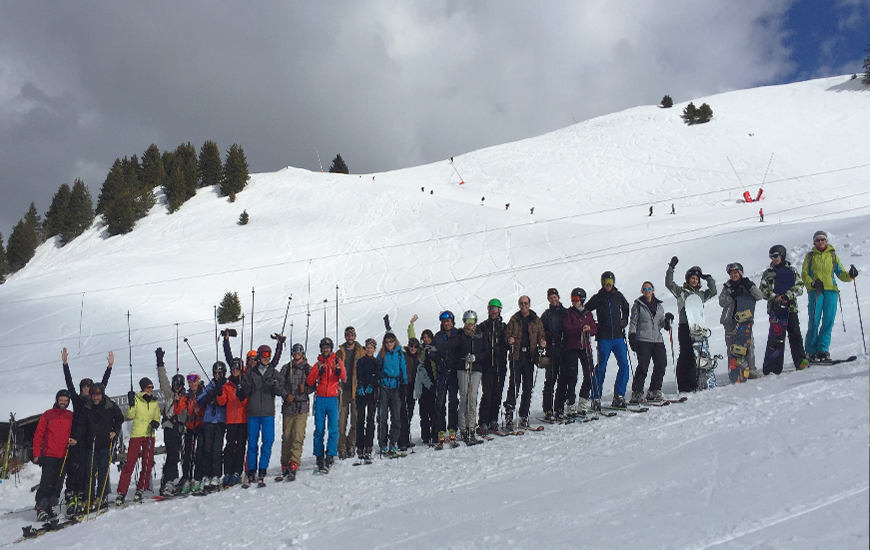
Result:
x=242 y=343
x=108 y=468
x=671 y=335
x=286 y=313
x=197 y=359
x=252 y=317
x=324 y=317
x=176 y=348
x=90 y=481
x=60 y=476
x=130 y=348
x=842 y=317
x=216 y=338
x=860 y=320
x=336 y=313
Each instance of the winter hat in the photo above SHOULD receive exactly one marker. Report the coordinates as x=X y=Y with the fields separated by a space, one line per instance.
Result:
x=818 y=234
x=413 y=343
x=551 y=291
x=145 y=382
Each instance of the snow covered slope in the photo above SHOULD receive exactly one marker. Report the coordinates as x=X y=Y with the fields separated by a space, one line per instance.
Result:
x=780 y=463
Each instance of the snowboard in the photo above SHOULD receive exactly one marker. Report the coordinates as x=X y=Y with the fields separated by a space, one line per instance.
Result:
x=744 y=316
x=705 y=363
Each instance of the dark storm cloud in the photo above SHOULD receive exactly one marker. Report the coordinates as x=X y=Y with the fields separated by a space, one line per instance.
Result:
x=387 y=85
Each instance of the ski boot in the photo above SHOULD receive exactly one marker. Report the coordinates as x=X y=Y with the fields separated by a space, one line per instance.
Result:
x=596 y=405
x=803 y=364
x=71 y=503
x=752 y=374
x=572 y=411
x=823 y=357
x=618 y=402
x=321 y=465
x=441 y=441
x=452 y=438
x=139 y=496
x=636 y=397
x=119 y=500
x=291 y=475
x=249 y=479
x=42 y=513
x=367 y=455
x=524 y=422
x=548 y=416
x=285 y=472
x=654 y=395
x=261 y=478
x=342 y=455
x=185 y=488
x=196 y=486
x=558 y=416
x=582 y=405
x=330 y=460
x=168 y=488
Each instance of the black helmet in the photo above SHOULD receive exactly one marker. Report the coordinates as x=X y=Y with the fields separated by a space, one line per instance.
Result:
x=732 y=266
x=178 y=382
x=299 y=348
x=694 y=270
x=327 y=342
x=777 y=250
x=579 y=292
x=219 y=367
x=608 y=275
x=59 y=394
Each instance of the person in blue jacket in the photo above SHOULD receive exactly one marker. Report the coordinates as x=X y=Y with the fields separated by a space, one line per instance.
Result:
x=215 y=421
x=393 y=379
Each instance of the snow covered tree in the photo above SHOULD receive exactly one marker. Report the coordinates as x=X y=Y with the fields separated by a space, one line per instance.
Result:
x=57 y=218
x=235 y=176
x=230 y=308
x=689 y=114
x=243 y=218
x=2 y=261
x=866 y=79
x=667 y=102
x=81 y=211
x=209 y=167
x=338 y=166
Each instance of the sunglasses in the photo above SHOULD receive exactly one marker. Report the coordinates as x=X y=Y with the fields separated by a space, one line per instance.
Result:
x=149 y=387
x=775 y=255
x=647 y=289
x=820 y=240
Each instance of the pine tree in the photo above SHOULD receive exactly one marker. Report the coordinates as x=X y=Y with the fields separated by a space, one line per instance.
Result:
x=22 y=245
x=2 y=261
x=113 y=186
x=33 y=219
x=185 y=158
x=689 y=114
x=209 y=168
x=235 y=176
x=667 y=102
x=338 y=166
x=230 y=308
x=866 y=79
x=174 y=190
x=57 y=219
x=153 y=173
x=704 y=114
x=116 y=200
x=243 y=218
x=81 y=211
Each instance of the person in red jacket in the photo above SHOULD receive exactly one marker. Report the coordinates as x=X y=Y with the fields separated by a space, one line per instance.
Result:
x=193 y=464
x=50 y=444
x=325 y=376
x=580 y=327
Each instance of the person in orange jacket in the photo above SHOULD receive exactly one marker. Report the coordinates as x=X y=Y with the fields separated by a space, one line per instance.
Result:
x=192 y=465
x=51 y=443
x=325 y=376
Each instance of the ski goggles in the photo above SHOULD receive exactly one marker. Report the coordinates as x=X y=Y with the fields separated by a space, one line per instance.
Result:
x=775 y=255
x=446 y=316
x=298 y=348
x=820 y=240
x=193 y=378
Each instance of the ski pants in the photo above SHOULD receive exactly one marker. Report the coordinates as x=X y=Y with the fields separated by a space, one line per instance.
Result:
x=620 y=350
x=522 y=375
x=567 y=380
x=822 y=306
x=234 y=452
x=730 y=333
x=586 y=365
x=492 y=383
x=687 y=371
x=136 y=447
x=50 y=481
x=366 y=406
x=326 y=410
x=407 y=415
x=647 y=351
x=551 y=378
x=469 y=382
x=775 y=353
x=347 y=415
x=256 y=426
x=293 y=437
x=172 y=442
x=389 y=408
x=213 y=448
x=446 y=400
x=76 y=473
x=193 y=463
x=427 y=415
x=97 y=464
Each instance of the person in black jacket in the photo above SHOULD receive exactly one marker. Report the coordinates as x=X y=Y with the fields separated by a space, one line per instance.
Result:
x=99 y=423
x=260 y=385
x=446 y=346
x=612 y=311
x=553 y=320
x=495 y=371
x=368 y=373
x=477 y=356
x=76 y=473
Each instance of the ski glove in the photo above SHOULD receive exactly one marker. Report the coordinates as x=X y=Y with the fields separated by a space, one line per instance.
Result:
x=281 y=338
x=632 y=342
x=669 y=318
x=853 y=271
x=623 y=323
x=337 y=371
x=673 y=263
x=154 y=424
x=159 y=353
x=131 y=398
x=818 y=285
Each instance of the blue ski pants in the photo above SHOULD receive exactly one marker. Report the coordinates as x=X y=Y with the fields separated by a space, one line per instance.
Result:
x=266 y=425
x=326 y=410
x=620 y=350
x=823 y=311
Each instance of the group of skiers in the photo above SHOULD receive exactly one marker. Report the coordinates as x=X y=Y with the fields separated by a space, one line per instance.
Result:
x=221 y=432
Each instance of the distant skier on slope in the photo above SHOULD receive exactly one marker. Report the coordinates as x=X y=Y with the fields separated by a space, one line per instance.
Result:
x=687 y=379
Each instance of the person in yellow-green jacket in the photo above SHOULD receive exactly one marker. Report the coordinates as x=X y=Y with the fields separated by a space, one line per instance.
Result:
x=819 y=273
x=144 y=410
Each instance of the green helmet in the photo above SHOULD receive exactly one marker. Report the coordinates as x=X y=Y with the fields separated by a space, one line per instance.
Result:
x=495 y=302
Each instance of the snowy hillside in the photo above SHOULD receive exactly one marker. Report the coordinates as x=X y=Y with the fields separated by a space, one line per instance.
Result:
x=780 y=463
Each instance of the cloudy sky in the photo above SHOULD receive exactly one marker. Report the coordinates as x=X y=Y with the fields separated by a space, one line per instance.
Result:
x=386 y=84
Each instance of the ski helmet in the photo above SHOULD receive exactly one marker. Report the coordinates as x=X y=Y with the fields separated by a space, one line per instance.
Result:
x=264 y=351
x=97 y=389
x=327 y=342
x=495 y=302
x=551 y=292
x=446 y=315
x=732 y=266
x=580 y=293
x=178 y=382
x=608 y=276
x=59 y=394
x=777 y=250
x=193 y=377
x=371 y=342
x=298 y=348
x=469 y=316
x=694 y=270
x=85 y=382
x=219 y=367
